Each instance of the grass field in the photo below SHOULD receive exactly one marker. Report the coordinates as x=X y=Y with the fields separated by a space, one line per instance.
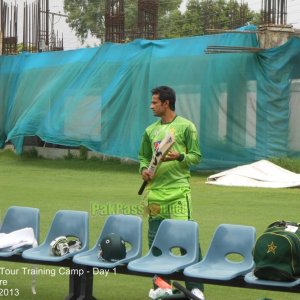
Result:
x=83 y=184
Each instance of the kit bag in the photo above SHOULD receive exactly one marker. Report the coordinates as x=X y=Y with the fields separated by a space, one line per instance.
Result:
x=277 y=252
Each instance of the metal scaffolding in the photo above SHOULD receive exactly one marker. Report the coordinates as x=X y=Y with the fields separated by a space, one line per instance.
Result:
x=147 y=19
x=38 y=30
x=8 y=28
x=274 y=12
x=114 y=21
x=38 y=33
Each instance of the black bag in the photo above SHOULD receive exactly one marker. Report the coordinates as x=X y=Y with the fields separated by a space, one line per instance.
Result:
x=277 y=252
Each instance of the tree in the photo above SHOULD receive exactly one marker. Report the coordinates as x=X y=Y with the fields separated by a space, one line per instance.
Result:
x=85 y=17
x=202 y=15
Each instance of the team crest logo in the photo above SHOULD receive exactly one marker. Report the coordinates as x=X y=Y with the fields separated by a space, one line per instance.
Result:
x=272 y=248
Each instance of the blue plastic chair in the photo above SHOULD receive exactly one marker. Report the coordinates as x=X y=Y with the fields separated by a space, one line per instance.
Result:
x=252 y=279
x=129 y=228
x=171 y=234
x=228 y=239
x=19 y=217
x=65 y=222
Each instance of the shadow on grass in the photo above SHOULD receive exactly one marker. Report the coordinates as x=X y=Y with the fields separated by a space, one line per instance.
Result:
x=92 y=164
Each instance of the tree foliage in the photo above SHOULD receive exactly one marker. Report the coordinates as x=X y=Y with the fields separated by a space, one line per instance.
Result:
x=201 y=16
x=87 y=17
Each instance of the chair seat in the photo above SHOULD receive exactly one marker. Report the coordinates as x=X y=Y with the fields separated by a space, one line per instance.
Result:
x=64 y=223
x=221 y=271
x=90 y=258
x=20 y=217
x=228 y=239
x=129 y=228
x=170 y=234
x=42 y=253
x=252 y=279
x=160 y=265
x=18 y=251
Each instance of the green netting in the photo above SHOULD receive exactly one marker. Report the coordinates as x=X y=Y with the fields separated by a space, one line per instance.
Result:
x=245 y=105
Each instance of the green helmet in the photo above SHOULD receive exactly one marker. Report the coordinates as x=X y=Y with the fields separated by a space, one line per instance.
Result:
x=112 y=248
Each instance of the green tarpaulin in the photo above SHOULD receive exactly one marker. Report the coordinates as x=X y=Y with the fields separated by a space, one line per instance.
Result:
x=245 y=105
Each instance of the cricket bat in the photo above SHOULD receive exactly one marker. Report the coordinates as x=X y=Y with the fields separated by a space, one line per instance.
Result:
x=159 y=153
x=185 y=291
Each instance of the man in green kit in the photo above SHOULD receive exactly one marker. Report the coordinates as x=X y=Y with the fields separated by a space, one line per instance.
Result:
x=168 y=191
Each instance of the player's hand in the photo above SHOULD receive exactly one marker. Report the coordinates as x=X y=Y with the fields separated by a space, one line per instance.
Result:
x=146 y=175
x=172 y=155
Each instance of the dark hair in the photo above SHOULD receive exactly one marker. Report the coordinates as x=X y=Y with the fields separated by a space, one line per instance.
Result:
x=165 y=93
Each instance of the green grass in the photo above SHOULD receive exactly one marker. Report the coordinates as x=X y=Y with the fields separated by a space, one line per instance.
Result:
x=81 y=184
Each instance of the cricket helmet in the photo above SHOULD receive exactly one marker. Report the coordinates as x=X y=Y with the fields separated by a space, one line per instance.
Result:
x=112 y=248
x=63 y=245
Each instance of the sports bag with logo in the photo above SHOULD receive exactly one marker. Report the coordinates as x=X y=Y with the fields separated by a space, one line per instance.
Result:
x=277 y=252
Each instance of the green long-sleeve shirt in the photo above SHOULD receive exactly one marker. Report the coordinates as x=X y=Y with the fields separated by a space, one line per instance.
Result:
x=171 y=174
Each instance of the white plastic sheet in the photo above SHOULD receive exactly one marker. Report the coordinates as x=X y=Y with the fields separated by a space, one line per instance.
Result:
x=259 y=174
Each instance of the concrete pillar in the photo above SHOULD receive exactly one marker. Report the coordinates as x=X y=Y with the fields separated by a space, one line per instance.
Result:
x=273 y=35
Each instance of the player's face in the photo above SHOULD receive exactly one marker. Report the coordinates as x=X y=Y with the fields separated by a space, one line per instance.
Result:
x=158 y=107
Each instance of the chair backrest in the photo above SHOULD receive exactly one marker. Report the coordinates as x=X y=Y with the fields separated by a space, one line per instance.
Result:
x=69 y=222
x=177 y=234
x=18 y=217
x=128 y=227
x=232 y=239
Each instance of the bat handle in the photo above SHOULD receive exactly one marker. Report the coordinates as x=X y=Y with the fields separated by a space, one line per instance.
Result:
x=185 y=291
x=140 y=192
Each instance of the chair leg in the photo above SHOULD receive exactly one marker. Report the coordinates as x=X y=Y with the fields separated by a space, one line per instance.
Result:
x=74 y=284
x=86 y=285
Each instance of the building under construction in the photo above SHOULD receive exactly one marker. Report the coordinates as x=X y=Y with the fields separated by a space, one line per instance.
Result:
x=8 y=28
x=38 y=32
x=38 y=28
x=38 y=23
x=115 y=21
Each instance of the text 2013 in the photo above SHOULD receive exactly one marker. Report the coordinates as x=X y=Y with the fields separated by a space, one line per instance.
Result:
x=6 y=292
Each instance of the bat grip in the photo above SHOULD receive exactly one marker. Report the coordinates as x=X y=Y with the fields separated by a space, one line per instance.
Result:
x=185 y=291
x=140 y=192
